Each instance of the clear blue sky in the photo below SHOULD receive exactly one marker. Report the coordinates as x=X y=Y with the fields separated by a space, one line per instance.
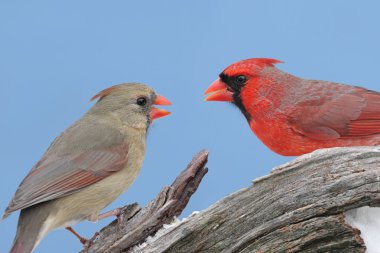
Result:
x=55 y=55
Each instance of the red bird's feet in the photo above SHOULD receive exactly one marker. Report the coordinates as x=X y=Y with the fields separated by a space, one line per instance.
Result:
x=80 y=238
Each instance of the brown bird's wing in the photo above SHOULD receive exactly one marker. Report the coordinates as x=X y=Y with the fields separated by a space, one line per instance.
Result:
x=336 y=111
x=61 y=172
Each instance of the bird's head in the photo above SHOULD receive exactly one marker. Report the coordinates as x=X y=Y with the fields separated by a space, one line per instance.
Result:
x=132 y=103
x=235 y=78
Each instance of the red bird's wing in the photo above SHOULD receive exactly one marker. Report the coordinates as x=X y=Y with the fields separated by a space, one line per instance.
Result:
x=337 y=112
x=61 y=173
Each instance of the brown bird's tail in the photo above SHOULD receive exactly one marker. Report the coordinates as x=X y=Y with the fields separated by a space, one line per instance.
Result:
x=29 y=228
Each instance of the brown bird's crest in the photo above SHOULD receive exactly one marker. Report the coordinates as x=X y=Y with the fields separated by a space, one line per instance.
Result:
x=104 y=93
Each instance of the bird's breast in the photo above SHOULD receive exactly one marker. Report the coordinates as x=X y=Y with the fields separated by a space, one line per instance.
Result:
x=274 y=133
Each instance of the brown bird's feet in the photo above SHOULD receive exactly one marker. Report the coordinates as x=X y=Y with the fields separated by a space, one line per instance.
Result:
x=116 y=212
x=80 y=238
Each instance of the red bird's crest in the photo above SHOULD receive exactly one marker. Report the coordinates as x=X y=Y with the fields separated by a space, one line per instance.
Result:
x=264 y=61
x=250 y=65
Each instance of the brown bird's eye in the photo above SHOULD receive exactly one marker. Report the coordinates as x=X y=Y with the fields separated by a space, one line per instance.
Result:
x=141 y=101
x=241 y=79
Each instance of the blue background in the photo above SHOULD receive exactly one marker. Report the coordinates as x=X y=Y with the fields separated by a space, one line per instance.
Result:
x=55 y=55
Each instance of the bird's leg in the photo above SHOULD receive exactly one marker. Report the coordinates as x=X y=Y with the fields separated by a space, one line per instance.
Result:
x=80 y=238
x=116 y=212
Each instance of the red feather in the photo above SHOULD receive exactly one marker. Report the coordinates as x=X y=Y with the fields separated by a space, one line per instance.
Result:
x=293 y=116
x=368 y=123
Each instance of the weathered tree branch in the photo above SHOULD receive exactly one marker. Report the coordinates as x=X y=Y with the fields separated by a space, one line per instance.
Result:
x=138 y=223
x=298 y=207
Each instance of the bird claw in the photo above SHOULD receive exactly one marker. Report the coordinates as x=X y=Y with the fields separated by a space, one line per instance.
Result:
x=83 y=240
x=116 y=212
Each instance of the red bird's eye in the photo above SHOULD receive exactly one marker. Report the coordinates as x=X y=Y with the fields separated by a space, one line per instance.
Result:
x=241 y=79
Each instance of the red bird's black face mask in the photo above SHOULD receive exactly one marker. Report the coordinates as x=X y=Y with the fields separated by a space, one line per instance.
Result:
x=228 y=88
x=234 y=83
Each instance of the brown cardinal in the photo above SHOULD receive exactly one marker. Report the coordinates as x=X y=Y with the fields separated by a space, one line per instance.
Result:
x=88 y=166
x=294 y=116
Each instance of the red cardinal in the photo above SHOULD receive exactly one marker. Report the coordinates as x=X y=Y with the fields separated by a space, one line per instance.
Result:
x=294 y=116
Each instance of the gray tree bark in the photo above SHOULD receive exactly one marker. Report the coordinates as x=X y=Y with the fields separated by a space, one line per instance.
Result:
x=298 y=207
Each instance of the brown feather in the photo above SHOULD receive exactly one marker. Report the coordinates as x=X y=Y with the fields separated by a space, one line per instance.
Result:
x=85 y=168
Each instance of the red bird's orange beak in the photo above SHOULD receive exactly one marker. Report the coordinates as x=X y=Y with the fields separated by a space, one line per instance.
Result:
x=156 y=113
x=217 y=91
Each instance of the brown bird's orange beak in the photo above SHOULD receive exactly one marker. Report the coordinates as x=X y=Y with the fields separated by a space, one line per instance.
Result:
x=218 y=91
x=156 y=113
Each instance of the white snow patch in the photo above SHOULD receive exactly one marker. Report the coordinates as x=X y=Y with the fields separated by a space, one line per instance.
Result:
x=367 y=220
x=164 y=230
